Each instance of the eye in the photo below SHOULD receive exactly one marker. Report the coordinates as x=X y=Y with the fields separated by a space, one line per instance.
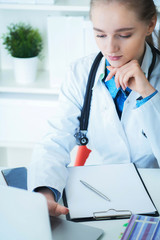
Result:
x=125 y=36
x=101 y=36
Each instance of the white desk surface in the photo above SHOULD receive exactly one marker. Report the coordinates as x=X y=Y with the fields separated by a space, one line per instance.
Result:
x=113 y=228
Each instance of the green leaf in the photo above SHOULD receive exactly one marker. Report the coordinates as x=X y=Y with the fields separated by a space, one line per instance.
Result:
x=22 y=40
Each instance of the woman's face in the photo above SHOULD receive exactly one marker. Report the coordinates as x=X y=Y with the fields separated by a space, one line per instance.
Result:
x=119 y=34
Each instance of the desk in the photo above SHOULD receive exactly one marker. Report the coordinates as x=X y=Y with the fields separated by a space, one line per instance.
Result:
x=112 y=228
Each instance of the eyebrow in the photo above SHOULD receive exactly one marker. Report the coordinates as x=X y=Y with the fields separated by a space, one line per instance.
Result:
x=117 y=30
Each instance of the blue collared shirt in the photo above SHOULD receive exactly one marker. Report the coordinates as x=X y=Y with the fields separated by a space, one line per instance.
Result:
x=119 y=95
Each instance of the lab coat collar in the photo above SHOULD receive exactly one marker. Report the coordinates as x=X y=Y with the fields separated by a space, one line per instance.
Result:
x=101 y=71
x=147 y=60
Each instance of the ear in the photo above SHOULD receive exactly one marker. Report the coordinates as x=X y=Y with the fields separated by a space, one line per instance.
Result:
x=151 y=25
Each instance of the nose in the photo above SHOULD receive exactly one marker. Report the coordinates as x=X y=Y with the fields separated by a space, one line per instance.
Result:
x=112 y=46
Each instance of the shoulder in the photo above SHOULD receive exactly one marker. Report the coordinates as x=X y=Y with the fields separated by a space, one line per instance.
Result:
x=158 y=56
x=157 y=63
x=155 y=79
x=155 y=52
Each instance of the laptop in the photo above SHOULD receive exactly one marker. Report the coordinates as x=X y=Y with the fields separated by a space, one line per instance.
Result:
x=24 y=215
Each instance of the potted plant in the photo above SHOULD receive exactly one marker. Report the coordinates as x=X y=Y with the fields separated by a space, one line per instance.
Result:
x=24 y=43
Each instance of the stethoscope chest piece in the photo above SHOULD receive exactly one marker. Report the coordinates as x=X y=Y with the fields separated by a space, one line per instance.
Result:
x=81 y=138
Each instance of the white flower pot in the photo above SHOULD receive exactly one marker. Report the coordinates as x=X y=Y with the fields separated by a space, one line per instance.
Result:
x=25 y=69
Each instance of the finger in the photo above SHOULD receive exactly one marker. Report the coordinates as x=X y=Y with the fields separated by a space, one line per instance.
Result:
x=61 y=210
x=111 y=74
x=110 y=68
x=123 y=86
x=56 y=209
x=128 y=78
x=117 y=80
x=121 y=75
x=121 y=80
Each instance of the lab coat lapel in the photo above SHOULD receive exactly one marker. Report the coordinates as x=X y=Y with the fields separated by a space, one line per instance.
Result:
x=108 y=104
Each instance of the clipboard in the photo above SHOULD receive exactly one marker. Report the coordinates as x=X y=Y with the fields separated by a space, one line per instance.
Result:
x=81 y=209
x=102 y=215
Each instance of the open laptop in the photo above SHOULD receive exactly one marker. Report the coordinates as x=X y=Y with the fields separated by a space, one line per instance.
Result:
x=24 y=215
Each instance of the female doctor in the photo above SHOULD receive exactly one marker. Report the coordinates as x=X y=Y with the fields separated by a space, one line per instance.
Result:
x=125 y=107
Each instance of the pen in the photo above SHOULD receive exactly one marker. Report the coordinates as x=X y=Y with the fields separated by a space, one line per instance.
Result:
x=95 y=190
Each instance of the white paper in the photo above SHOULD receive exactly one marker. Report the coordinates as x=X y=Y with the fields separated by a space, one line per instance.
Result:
x=120 y=183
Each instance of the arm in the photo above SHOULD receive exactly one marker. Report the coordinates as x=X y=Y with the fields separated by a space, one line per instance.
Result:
x=52 y=155
x=148 y=114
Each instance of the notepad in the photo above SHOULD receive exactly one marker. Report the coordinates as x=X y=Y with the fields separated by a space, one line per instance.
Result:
x=121 y=183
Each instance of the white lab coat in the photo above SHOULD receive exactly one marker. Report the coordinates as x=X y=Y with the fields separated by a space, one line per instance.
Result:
x=111 y=140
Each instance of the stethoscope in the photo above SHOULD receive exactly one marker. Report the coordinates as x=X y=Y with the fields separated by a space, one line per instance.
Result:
x=81 y=132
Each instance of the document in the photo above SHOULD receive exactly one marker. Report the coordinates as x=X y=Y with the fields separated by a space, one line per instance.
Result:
x=120 y=183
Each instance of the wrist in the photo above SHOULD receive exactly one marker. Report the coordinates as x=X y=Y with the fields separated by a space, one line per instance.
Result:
x=147 y=91
x=46 y=192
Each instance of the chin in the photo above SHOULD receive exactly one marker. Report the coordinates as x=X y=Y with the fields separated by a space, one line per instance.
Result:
x=117 y=64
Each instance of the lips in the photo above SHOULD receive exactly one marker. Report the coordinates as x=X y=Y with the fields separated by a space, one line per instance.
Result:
x=114 y=58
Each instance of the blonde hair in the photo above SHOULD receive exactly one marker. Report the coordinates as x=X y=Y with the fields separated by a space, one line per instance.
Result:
x=145 y=9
